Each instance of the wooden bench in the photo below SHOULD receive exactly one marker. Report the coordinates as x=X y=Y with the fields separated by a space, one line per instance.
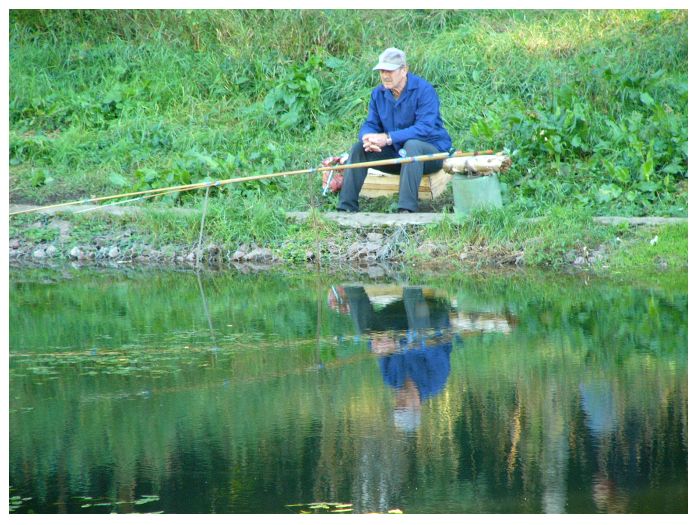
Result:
x=380 y=184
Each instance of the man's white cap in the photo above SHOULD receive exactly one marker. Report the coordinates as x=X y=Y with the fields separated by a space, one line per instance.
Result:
x=407 y=419
x=391 y=59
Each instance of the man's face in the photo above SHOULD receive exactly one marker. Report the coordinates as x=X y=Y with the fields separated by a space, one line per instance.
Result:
x=393 y=79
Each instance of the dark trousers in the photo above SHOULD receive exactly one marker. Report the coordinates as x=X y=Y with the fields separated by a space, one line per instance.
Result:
x=411 y=173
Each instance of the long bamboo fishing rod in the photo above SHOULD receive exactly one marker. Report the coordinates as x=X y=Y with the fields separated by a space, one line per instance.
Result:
x=199 y=185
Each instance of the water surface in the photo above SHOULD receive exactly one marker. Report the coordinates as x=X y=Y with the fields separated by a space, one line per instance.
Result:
x=228 y=393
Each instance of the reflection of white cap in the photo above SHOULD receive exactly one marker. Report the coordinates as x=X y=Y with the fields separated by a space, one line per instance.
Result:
x=407 y=419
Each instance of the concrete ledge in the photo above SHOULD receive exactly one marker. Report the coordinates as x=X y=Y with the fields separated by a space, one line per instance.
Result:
x=360 y=220
x=641 y=221
x=353 y=220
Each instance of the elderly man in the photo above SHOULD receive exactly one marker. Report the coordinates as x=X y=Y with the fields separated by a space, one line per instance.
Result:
x=404 y=113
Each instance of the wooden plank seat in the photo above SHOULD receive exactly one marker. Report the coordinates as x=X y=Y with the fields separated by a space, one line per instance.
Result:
x=381 y=184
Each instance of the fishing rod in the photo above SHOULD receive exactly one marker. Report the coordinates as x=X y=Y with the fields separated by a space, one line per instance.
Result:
x=201 y=185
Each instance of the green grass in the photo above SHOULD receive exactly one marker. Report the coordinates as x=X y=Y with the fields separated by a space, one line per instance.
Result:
x=662 y=247
x=504 y=234
x=494 y=238
x=591 y=105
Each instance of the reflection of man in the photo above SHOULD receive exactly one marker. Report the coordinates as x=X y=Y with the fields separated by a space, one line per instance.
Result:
x=414 y=352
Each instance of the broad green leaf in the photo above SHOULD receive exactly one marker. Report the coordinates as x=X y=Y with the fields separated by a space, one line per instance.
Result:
x=39 y=178
x=648 y=186
x=206 y=159
x=646 y=169
x=672 y=168
x=117 y=180
x=608 y=192
x=646 y=99
x=312 y=84
x=271 y=99
x=632 y=196
x=622 y=174
x=658 y=74
x=289 y=119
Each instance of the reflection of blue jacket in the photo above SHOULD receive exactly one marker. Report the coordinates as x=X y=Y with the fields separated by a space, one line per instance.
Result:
x=427 y=366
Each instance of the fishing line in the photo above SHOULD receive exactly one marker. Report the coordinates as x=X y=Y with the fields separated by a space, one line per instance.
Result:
x=142 y=197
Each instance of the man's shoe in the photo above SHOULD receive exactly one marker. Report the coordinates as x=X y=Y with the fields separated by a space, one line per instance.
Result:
x=404 y=210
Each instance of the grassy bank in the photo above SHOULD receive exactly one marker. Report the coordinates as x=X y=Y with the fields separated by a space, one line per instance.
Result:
x=560 y=239
x=591 y=105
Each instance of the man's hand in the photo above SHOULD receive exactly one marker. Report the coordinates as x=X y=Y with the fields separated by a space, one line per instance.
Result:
x=368 y=146
x=374 y=141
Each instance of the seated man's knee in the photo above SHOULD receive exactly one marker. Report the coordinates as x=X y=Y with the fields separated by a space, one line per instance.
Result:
x=411 y=146
x=357 y=151
x=414 y=147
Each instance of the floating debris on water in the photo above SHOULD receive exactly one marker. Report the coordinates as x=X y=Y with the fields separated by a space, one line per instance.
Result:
x=320 y=507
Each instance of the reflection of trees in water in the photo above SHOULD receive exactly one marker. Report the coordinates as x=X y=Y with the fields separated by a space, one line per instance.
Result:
x=381 y=474
x=461 y=452
x=555 y=449
x=568 y=411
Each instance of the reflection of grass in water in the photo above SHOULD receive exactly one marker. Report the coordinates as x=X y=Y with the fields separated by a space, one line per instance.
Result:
x=251 y=355
x=238 y=358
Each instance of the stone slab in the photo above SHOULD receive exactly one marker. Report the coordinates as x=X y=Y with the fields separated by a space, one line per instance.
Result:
x=363 y=220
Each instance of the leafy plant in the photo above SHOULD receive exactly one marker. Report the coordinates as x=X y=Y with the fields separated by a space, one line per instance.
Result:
x=296 y=99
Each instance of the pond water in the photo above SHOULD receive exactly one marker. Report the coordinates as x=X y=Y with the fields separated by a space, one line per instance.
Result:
x=177 y=392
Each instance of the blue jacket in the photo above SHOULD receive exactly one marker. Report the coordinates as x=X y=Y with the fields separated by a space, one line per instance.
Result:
x=415 y=115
